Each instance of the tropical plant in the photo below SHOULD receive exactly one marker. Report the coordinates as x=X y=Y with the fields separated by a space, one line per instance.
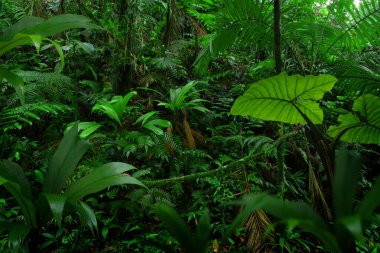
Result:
x=116 y=108
x=86 y=129
x=293 y=99
x=189 y=242
x=56 y=198
x=350 y=220
x=182 y=100
x=283 y=98
x=33 y=31
x=363 y=127
x=150 y=121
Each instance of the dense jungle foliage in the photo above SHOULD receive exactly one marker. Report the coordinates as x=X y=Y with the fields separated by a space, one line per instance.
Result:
x=189 y=126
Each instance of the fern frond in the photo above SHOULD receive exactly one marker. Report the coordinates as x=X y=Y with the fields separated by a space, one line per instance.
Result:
x=166 y=146
x=141 y=173
x=11 y=12
x=354 y=76
x=41 y=86
x=362 y=30
x=14 y=118
x=133 y=141
x=262 y=144
x=170 y=64
x=239 y=21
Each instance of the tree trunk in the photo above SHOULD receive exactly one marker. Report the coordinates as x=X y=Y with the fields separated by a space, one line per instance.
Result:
x=277 y=35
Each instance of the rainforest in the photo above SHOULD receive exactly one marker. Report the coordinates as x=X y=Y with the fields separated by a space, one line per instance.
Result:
x=191 y=126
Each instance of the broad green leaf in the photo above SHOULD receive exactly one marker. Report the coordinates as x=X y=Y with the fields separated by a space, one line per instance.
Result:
x=203 y=231
x=17 y=232
x=150 y=122
x=370 y=201
x=107 y=175
x=17 y=40
x=108 y=110
x=64 y=161
x=285 y=98
x=85 y=128
x=57 y=204
x=347 y=167
x=144 y=118
x=87 y=215
x=16 y=81
x=352 y=224
x=36 y=40
x=177 y=226
x=13 y=179
x=363 y=128
x=60 y=52
x=46 y=28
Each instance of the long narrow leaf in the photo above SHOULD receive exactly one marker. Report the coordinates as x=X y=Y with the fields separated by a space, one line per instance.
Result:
x=64 y=161
x=107 y=175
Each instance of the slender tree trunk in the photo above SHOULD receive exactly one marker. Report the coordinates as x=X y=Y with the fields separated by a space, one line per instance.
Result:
x=277 y=35
x=62 y=7
x=166 y=37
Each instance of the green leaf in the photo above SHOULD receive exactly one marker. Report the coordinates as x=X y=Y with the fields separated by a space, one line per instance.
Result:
x=87 y=215
x=364 y=128
x=285 y=98
x=107 y=175
x=177 y=226
x=299 y=212
x=64 y=161
x=46 y=28
x=108 y=110
x=13 y=179
x=203 y=231
x=57 y=204
x=85 y=128
x=347 y=167
x=370 y=201
x=16 y=81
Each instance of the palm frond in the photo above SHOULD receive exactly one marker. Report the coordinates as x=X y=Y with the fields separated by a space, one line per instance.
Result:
x=362 y=29
x=357 y=75
x=246 y=22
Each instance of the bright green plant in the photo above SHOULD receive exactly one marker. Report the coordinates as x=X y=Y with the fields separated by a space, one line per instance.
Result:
x=350 y=220
x=33 y=31
x=181 y=101
x=86 y=129
x=283 y=98
x=56 y=199
x=294 y=99
x=151 y=122
x=189 y=242
x=116 y=108
x=362 y=128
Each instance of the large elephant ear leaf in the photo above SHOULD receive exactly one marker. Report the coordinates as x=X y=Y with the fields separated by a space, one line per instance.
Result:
x=283 y=98
x=362 y=128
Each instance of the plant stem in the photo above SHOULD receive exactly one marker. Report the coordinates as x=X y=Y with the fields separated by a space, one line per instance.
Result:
x=190 y=176
x=277 y=35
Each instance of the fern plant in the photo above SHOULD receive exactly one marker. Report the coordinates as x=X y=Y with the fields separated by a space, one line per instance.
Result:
x=15 y=118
